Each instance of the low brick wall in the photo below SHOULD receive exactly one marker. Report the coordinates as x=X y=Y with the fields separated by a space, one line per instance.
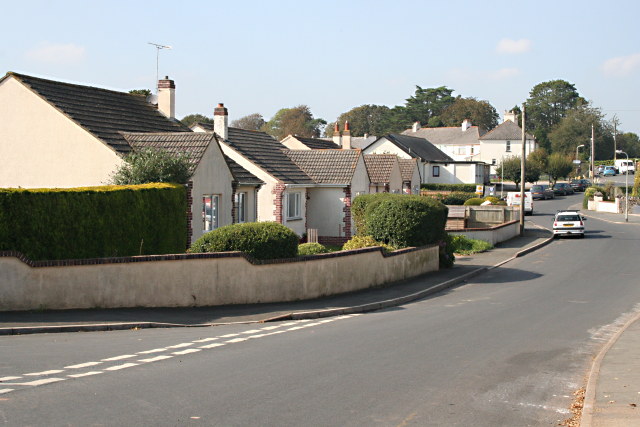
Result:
x=493 y=235
x=188 y=280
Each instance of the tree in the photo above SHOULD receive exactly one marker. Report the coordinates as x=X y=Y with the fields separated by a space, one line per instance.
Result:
x=481 y=113
x=369 y=119
x=253 y=121
x=548 y=103
x=294 y=121
x=575 y=129
x=559 y=165
x=141 y=92
x=425 y=105
x=509 y=168
x=629 y=142
x=153 y=165
x=191 y=119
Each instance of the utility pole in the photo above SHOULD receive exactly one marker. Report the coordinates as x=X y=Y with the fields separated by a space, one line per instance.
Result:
x=593 y=153
x=615 y=145
x=522 y=173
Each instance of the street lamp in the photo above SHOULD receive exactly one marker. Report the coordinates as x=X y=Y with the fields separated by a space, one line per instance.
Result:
x=626 y=188
x=577 y=164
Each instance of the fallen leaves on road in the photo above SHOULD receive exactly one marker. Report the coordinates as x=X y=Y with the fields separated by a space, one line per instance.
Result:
x=576 y=409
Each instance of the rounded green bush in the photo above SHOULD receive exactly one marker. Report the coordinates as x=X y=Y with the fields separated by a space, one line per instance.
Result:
x=359 y=242
x=359 y=208
x=476 y=201
x=311 y=249
x=261 y=240
x=492 y=199
x=457 y=198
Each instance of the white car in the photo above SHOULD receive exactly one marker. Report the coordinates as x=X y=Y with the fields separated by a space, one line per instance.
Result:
x=568 y=223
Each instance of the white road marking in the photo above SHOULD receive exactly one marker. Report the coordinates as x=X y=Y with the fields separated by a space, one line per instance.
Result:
x=229 y=335
x=86 y=374
x=37 y=374
x=9 y=378
x=155 y=350
x=184 y=344
x=213 y=345
x=155 y=359
x=252 y=331
x=256 y=336
x=82 y=365
x=124 y=356
x=295 y=328
x=190 y=350
x=289 y=324
x=40 y=382
x=269 y=328
x=236 y=340
x=5 y=390
x=206 y=339
x=118 y=367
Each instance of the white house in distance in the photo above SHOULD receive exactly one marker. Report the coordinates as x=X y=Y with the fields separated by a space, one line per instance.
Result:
x=55 y=134
x=461 y=143
x=385 y=174
x=503 y=141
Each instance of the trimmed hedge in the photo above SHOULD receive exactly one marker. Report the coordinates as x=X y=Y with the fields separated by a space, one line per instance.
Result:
x=359 y=242
x=465 y=188
x=474 y=201
x=94 y=222
x=311 y=249
x=359 y=208
x=456 y=198
x=261 y=240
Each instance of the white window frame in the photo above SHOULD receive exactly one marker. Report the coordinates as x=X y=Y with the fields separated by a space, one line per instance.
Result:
x=241 y=207
x=213 y=222
x=294 y=200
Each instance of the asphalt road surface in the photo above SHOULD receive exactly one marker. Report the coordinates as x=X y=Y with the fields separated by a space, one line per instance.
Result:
x=506 y=349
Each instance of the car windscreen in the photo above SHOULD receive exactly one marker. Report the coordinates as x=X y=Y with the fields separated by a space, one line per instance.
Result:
x=568 y=218
x=536 y=188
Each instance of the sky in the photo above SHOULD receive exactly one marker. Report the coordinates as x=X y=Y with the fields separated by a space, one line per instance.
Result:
x=261 y=56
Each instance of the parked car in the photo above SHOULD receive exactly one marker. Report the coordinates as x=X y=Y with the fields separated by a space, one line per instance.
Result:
x=568 y=223
x=562 y=188
x=599 y=170
x=513 y=199
x=580 y=184
x=625 y=166
x=542 y=192
x=609 y=171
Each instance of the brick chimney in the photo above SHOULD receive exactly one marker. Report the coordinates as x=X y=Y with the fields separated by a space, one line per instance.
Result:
x=167 y=97
x=336 y=135
x=346 y=137
x=466 y=124
x=416 y=127
x=221 y=121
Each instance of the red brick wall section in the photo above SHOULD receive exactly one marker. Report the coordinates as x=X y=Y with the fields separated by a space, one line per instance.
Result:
x=234 y=207
x=347 y=213
x=189 y=212
x=332 y=240
x=279 y=193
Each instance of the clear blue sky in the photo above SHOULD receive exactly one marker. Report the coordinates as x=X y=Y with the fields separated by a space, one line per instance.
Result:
x=260 y=56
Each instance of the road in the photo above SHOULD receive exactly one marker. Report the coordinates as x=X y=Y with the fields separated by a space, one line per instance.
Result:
x=505 y=349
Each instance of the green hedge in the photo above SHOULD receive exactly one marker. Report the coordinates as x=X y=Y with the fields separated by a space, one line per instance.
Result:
x=359 y=242
x=261 y=240
x=474 y=201
x=359 y=208
x=94 y=222
x=465 y=188
x=404 y=220
x=311 y=249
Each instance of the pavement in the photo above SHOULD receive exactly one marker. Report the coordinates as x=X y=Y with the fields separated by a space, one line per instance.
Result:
x=612 y=396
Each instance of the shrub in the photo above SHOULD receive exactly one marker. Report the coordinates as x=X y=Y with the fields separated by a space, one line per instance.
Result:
x=359 y=208
x=404 y=221
x=445 y=252
x=465 y=188
x=474 y=201
x=457 y=198
x=311 y=249
x=589 y=192
x=94 y=222
x=261 y=240
x=466 y=246
x=359 y=242
x=493 y=200
x=153 y=165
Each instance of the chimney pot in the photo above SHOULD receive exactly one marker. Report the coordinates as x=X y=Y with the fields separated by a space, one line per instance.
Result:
x=346 y=137
x=416 y=127
x=221 y=121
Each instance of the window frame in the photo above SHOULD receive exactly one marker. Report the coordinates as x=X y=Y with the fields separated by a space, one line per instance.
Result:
x=214 y=223
x=435 y=171
x=508 y=147
x=241 y=207
x=296 y=198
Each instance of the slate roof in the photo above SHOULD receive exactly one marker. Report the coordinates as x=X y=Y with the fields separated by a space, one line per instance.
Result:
x=192 y=143
x=448 y=135
x=242 y=175
x=361 y=142
x=267 y=153
x=326 y=166
x=379 y=167
x=407 y=166
x=104 y=113
x=317 y=143
x=206 y=126
x=418 y=147
x=506 y=131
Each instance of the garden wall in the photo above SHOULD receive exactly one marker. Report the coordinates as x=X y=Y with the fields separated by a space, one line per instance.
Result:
x=493 y=235
x=199 y=279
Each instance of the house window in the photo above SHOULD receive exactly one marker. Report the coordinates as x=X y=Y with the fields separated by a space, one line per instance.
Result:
x=293 y=205
x=471 y=150
x=436 y=171
x=494 y=161
x=241 y=206
x=508 y=147
x=210 y=210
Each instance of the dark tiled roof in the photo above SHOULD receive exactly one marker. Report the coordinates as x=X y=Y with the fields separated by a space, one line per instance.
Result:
x=326 y=166
x=192 y=143
x=317 y=143
x=104 y=113
x=418 y=147
x=379 y=166
x=506 y=131
x=361 y=142
x=242 y=175
x=407 y=166
x=448 y=135
x=266 y=153
x=206 y=126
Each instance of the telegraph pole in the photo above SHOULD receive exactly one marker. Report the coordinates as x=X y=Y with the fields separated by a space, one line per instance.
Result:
x=615 y=145
x=593 y=153
x=522 y=174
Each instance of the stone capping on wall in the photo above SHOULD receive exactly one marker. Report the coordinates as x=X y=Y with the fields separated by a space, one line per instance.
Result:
x=171 y=257
x=495 y=227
